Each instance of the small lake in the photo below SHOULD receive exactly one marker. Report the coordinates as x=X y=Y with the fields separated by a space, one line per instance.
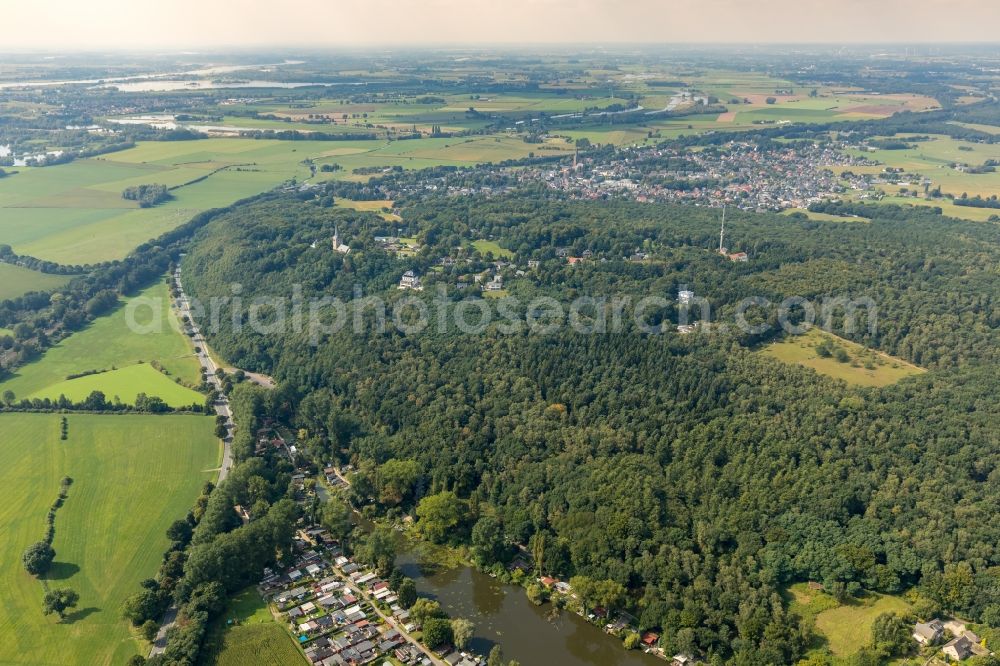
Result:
x=502 y=614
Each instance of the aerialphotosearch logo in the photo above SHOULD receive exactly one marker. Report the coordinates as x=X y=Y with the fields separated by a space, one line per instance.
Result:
x=315 y=319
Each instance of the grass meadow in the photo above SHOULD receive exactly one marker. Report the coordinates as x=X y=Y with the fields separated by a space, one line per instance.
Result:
x=107 y=344
x=132 y=476
x=881 y=370
x=124 y=384
x=841 y=629
x=16 y=281
x=488 y=246
x=848 y=628
x=369 y=206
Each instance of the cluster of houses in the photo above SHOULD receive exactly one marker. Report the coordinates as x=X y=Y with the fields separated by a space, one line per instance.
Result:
x=328 y=612
x=489 y=280
x=741 y=173
x=396 y=245
x=888 y=176
x=963 y=644
x=340 y=612
x=269 y=439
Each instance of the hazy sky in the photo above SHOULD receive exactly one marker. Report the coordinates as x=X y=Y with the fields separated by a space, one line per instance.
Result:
x=107 y=24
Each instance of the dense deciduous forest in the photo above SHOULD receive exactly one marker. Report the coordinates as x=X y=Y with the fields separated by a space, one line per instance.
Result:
x=699 y=475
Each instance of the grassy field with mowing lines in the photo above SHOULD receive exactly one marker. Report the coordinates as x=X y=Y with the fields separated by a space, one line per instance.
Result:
x=109 y=343
x=132 y=476
x=883 y=369
x=247 y=635
x=16 y=281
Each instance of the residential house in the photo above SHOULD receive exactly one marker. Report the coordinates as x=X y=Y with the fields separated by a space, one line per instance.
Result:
x=410 y=280
x=685 y=296
x=929 y=632
x=958 y=649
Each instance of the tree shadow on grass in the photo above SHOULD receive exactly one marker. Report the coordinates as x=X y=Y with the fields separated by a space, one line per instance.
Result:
x=61 y=571
x=78 y=615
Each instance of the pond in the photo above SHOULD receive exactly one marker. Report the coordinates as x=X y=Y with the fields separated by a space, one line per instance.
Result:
x=502 y=614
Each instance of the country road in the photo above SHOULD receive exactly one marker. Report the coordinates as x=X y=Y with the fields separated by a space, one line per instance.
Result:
x=183 y=306
x=183 y=309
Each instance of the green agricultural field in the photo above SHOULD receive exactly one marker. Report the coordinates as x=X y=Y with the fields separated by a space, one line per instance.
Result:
x=74 y=214
x=938 y=160
x=132 y=476
x=947 y=208
x=124 y=384
x=864 y=367
x=989 y=129
x=109 y=343
x=16 y=281
x=247 y=635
